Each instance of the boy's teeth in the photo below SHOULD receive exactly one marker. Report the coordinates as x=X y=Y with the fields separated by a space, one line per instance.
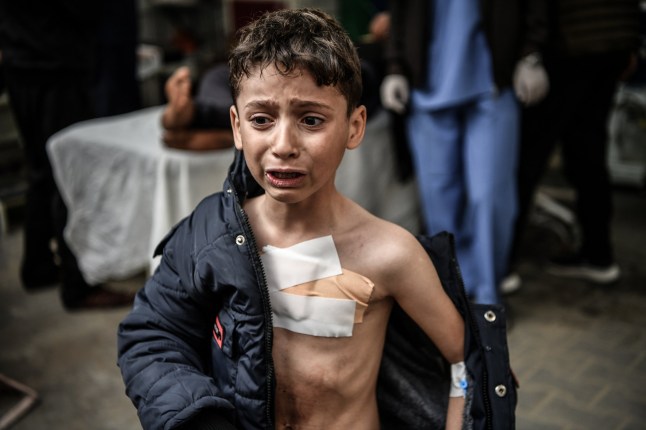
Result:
x=285 y=175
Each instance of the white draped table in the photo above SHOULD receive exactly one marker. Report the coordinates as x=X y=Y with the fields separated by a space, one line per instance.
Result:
x=124 y=189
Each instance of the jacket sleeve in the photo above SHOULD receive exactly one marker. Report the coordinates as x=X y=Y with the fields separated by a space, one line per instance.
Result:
x=163 y=344
x=394 y=47
x=406 y=51
x=536 y=20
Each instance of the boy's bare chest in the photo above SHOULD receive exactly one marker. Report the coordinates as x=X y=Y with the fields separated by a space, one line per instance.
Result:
x=322 y=381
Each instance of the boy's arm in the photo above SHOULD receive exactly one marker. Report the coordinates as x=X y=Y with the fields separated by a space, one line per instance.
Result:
x=180 y=109
x=454 y=413
x=417 y=289
x=198 y=140
x=163 y=347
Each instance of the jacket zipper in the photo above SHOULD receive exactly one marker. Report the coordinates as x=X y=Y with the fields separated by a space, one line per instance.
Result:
x=476 y=331
x=264 y=294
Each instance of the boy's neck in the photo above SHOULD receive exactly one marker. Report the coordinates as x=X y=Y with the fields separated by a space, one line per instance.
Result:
x=282 y=224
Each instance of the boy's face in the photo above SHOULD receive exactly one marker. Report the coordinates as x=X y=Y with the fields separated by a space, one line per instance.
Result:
x=293 y=132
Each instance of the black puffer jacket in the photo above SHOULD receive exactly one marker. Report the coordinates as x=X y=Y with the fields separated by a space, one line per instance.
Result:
x=196 y=348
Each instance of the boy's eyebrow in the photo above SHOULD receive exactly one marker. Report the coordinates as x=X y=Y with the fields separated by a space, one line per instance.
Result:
x=261 y=104
x=309 y=104
x=297 y=103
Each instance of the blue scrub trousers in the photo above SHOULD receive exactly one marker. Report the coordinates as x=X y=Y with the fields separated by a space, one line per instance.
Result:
x=465 y=158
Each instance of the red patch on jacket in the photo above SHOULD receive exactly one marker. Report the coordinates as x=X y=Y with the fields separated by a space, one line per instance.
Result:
x=218 y=332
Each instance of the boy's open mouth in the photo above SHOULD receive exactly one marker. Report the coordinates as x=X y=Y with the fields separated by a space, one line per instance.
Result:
x=285 y=175
x=284 y=179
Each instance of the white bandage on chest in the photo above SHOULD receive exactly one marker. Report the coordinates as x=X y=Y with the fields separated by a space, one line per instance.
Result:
x=309 y=291
x=304 y=262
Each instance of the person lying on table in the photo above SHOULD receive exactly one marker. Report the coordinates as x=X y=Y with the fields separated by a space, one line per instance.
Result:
x=199 y=123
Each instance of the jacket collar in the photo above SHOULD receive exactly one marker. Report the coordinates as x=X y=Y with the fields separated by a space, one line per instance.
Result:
x=241 y=180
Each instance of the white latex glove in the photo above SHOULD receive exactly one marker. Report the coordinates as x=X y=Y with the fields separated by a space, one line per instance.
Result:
x=531 y=83
x=394 y=93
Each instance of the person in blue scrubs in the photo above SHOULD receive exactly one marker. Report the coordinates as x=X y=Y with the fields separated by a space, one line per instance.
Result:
x=463 y=129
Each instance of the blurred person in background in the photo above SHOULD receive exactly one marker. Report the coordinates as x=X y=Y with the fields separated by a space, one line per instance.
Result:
x=116 y=86
x=450 y=68
x=591 y=46
x=368 y=24
x=48 y=61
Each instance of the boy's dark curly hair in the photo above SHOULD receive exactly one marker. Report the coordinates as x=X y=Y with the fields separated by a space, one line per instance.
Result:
x=297 y=39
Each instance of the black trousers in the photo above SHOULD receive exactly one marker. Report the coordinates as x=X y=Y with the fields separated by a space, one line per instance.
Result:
x=43 y=104
x=574 y=115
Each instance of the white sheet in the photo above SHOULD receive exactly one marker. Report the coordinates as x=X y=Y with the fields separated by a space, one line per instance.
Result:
x=124 y=189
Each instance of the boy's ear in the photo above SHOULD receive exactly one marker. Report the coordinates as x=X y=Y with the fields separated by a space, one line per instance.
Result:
x=357 y=120
x=235 y=126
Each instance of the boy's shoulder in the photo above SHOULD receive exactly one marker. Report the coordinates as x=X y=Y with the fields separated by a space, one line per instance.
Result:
x=394 y=240
x=367 y=226
x=387 y=254
x=381 y=243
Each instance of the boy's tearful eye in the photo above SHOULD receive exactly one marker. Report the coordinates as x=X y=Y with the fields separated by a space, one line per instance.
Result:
x=312 y=121
x=260 y=121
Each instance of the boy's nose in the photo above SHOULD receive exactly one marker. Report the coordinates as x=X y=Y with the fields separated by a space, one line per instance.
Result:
x=285 y=143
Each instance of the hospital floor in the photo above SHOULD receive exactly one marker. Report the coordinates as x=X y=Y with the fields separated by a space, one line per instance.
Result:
x=578 y=350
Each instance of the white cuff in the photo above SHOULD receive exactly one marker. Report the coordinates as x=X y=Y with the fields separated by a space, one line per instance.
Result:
x=458 y=380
